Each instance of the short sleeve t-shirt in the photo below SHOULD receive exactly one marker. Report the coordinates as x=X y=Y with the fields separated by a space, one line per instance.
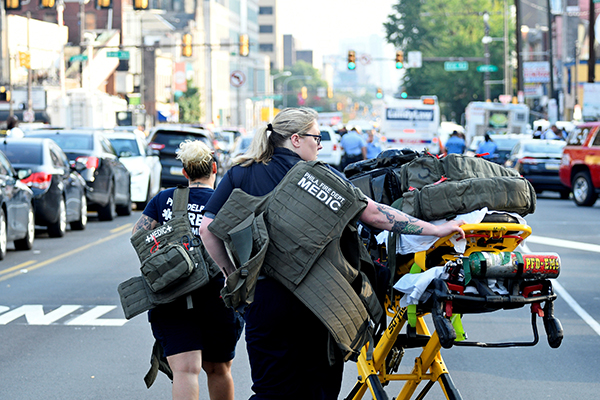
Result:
x=160 y=208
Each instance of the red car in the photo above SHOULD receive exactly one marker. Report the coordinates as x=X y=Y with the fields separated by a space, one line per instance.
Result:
x=580 y=165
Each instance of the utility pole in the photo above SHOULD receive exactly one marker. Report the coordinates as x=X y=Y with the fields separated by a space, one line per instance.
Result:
x=30 y=115
x=591 y=40
x=519 y=47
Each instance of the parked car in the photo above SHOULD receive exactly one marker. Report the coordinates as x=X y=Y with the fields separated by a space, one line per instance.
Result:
x=142 y=162
x=331 y=152
x=241 y=145
x=166 y=139
x=96 y=160
x=17 y=220
x=59 y=191
x=505 y=143
x=580 y=164
x=538 y=161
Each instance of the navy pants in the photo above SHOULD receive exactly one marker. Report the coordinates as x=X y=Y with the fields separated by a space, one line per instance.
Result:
x=288 y=348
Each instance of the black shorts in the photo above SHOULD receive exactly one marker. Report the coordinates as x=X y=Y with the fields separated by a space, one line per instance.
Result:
x=209 y=326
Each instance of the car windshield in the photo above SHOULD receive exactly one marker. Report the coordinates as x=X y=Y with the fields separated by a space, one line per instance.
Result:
x=71 y=142
x=173 y=139
x=24 y=153
x=125 y=147
x=505 y=143
x=545 y=148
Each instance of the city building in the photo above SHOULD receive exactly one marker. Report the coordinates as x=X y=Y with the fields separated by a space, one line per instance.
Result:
x=270 y=41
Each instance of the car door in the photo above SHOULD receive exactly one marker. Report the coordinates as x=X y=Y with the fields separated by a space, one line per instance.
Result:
x=118 y=171
x=16 y=199
x=152 y=160
x=69 y=183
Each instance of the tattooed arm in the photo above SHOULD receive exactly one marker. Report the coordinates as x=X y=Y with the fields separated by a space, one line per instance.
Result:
x=145 y=222
x=388 y=218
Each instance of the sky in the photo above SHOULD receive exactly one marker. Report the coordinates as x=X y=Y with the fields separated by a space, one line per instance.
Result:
x=320 y=24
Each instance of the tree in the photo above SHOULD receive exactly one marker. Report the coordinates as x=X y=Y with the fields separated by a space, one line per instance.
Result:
x=189 y=104
x=447 y=28
x=294 y=86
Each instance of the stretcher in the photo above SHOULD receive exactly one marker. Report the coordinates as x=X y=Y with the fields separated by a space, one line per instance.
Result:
x=463 y=288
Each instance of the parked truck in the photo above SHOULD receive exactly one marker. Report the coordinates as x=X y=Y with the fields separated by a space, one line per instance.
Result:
x=495 y=118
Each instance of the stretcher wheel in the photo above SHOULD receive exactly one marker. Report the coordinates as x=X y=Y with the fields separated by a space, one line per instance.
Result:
x=553 y=327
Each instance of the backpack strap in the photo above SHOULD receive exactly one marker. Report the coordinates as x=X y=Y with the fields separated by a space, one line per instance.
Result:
x=180 y=201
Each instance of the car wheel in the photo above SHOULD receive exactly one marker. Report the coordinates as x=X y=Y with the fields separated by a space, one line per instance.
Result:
x=27 y=242
x=125 y=209
x=2 y=234
x=583 y=190
x=81 y=223
x=108 y=212
x=59 y=228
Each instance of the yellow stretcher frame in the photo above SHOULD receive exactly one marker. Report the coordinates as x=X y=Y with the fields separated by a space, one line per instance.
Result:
x=429 y=365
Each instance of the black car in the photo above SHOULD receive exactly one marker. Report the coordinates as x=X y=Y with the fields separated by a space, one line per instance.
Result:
x=166 y=139
x=538 y=161
x=107 y=178
x=59 y=190
x=17 y=221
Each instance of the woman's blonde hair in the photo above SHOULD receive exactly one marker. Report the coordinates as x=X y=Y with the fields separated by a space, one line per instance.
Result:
x=286 y=123
x=197 y=159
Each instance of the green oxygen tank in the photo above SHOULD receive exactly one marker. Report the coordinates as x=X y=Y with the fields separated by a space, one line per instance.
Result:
x=482 y=264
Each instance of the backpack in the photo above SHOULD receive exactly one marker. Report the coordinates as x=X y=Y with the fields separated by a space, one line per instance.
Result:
x=165 y=252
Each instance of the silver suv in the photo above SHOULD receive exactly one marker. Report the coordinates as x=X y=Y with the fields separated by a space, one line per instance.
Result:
x=331 y=153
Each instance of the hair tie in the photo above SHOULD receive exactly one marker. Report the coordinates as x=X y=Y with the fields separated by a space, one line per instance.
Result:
x=270 y=129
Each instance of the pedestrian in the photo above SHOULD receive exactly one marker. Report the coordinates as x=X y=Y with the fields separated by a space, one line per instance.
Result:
x=455 y=144
x=537 y=134
x=373 y=145
x=354 y=146
x=287 y=344
x=204 y=336
x=12 y=127
x=487 y=148
x=552 y=133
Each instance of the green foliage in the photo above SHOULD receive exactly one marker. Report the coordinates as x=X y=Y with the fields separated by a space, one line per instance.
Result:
x=294 y=86
x=190 y=104
x=448 y=28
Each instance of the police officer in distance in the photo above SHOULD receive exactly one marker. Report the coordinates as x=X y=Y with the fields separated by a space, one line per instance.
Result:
x=354 y=146
x=203 y=336
x=287 y=344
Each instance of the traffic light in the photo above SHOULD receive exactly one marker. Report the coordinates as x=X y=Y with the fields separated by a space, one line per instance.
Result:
x=24 y=59
x=304 y=92
x=4 y=94
x=186 y=49
x=399 y=59
x=329 y=92
x=379 y=94
x=404 y=95
x=244 y=45
x=140 y=4
x=12 y=4
x=47 y=3
x=351 y=60
x=103 y=4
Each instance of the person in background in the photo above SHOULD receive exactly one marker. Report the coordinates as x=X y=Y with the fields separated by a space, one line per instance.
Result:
x=12 y=127
x=373 y=145
x=488 y=147
x=286 y=342
x=552 y=133
x=354 y=146
x=203 y=336
x=455 y=144
x=537 y=134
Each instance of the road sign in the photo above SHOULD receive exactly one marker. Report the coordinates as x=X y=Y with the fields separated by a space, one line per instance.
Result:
x=487 y=68
x=237 y=78
x=267 y=97
x=456 y=65
x=79 y=57
x=121 y=55
x=415 y=59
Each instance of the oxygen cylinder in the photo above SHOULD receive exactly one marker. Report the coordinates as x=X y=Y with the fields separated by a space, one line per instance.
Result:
x=507 y=264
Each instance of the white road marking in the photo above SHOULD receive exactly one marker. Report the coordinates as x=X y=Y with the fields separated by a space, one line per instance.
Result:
x=34 y=315
x=562 y=292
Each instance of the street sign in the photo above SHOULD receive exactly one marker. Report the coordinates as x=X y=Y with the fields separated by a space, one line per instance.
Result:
x=237 y=78
x=121 y=55
x=487 y=68
x=415 y=59
x=79 y=57
x=456 y=65
x=267 y=97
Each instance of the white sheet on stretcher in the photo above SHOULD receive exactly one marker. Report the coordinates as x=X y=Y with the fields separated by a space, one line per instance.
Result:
x=414 y=243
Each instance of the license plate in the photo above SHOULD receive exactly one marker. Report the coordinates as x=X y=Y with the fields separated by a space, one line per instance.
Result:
x=552 y=166
x=176 y=171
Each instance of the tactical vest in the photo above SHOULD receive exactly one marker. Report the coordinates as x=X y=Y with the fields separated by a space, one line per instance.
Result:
x=135 y=293
x=303 y=234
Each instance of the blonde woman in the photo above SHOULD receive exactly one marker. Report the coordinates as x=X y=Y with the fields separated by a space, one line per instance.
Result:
x=204 y=336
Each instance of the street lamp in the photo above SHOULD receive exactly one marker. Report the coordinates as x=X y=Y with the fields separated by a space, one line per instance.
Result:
x=292 y=78
x=273 y=77
x=486 y=40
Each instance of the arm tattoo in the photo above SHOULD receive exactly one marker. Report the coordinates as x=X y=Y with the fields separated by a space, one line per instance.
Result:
x=145 y=222
x=408 y=227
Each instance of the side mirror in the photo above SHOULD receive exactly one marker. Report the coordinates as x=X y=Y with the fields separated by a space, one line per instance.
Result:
x=24 y=173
